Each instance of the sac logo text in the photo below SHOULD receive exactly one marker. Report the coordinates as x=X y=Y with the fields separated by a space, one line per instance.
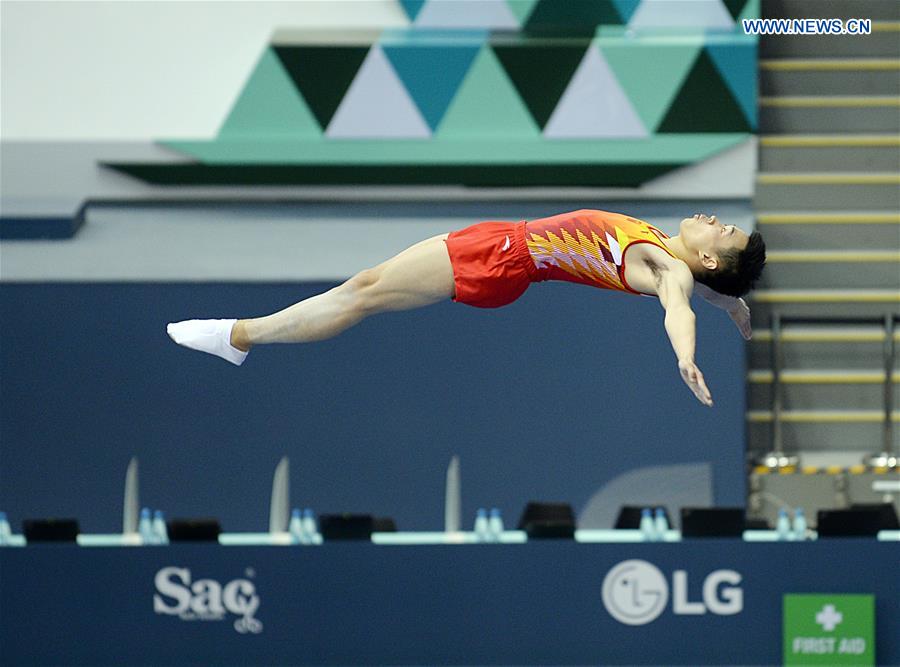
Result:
x=206 y=599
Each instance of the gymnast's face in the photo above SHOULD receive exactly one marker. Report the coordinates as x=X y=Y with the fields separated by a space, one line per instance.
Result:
x=709 y=238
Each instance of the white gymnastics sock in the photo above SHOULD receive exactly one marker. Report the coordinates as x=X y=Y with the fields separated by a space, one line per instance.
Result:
x=213 y=336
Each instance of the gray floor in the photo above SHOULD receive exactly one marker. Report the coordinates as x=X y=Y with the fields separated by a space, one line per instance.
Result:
x=276 y=242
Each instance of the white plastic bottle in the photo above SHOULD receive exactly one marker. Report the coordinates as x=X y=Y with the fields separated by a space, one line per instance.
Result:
x=160 y=533
x=783 y=525
x=481 y=525
x=660 y=524
x=295 y=527
x=799 y=525
x=310 y=529
x=648 y=530
x=5 y=530
x=495 y=524
x=145 y=527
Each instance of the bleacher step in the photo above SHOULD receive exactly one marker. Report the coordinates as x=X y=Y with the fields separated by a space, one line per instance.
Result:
x=823 y=348
x=815 y=302
x=841 y=153
x=827 y=296
x=848 y=268
x=829 y=113
x=834 y=190
x=826 y=230
x=835 y=416
x=836 y=76
x=804 y=390
x=823 y=377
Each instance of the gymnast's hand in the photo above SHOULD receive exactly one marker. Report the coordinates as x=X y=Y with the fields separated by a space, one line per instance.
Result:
x=693 y=378
x=740 y=315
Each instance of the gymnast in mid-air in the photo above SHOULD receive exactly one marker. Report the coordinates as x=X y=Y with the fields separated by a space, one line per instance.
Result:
x=490 y=264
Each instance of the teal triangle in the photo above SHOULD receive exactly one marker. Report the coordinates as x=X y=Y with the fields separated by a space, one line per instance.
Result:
x=418 y=68
x=487 y=105
x=651 y=76
x=270 y=105
x=736 y=64
x=522 y=9
x=626 y=8
x=751 y=11
x=412 y=8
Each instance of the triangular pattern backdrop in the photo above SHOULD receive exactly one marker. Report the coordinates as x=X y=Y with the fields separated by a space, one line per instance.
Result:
x=416 y=65
x=450 y=89
x=487 y=105
x=270 y=105
x=594 y=104
x=377 y=104
x=502 y=82
x=572 y=17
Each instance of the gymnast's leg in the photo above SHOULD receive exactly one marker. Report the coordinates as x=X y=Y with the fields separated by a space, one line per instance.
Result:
x=418 y=276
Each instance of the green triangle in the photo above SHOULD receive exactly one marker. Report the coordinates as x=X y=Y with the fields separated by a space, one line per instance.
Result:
x=704 y=103
x=651 y=76
x=751 y=11
x=487 y=105
x=269 y=105
x=521 y=9
x=541 y=72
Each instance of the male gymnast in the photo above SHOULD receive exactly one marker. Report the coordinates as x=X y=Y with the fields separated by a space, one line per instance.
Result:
x=490 y=264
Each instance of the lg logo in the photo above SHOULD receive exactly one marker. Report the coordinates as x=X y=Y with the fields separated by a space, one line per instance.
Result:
x=635 y=592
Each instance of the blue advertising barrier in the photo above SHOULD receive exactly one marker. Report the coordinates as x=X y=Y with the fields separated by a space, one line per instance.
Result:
x=698 y=602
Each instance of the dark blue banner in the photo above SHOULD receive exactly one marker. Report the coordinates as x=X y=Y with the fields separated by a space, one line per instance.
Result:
x=559 y=602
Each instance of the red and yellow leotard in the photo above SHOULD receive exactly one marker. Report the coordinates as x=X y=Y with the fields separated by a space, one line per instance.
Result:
x=588 y=246
x=495 y=262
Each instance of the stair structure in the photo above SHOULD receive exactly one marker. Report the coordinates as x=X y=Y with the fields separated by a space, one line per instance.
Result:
x=828 y=206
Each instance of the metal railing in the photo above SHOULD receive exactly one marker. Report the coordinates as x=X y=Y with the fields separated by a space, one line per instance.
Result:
x=778 y=458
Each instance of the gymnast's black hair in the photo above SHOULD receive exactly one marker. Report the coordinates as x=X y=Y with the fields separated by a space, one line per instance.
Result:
x=739 y=270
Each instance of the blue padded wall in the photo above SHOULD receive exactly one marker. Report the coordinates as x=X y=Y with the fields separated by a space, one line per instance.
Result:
x=548 y=398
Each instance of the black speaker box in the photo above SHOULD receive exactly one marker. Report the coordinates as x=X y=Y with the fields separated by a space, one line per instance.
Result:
x=346 y=526
x=712 y=521
x=50 y=530
x=858 y=521
x=886 y=513
x=194 y=530
x=548 y=521
x=384 y=525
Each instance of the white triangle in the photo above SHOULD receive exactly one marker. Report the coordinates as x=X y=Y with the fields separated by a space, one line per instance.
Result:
x=490 y=14
x=594 y=104
x=377 y=105
x=615 y=249
x=700 y=14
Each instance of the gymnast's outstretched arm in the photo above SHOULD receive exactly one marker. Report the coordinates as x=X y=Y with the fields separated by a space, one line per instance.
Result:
x=735 y=307
x=674 y=285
